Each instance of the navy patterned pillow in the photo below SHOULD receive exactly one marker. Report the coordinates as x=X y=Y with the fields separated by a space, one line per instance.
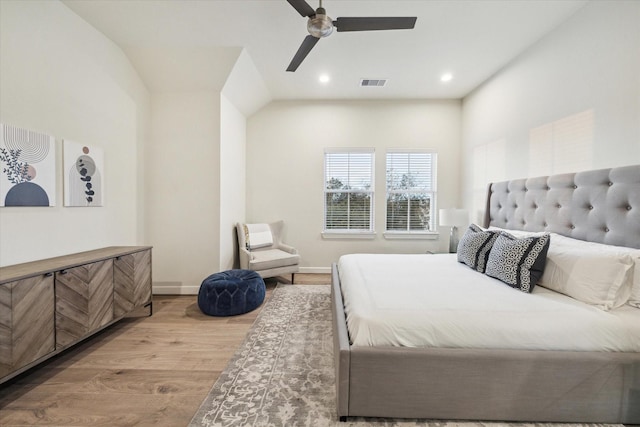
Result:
x=518 y=262
x=474 y=247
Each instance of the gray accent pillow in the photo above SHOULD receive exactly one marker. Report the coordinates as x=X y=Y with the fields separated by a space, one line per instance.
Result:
x=518 y=262
x=475 y=245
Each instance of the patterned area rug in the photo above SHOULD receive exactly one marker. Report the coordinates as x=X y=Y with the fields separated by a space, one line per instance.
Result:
x=282 y=375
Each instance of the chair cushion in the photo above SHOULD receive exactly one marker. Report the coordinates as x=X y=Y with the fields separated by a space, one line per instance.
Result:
x=272 y=258
x=231 y=292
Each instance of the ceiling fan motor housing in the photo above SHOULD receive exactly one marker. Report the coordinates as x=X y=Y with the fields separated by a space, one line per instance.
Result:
x=320 y=25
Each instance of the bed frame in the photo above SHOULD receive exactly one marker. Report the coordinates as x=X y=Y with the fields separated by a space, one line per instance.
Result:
x=509 y=385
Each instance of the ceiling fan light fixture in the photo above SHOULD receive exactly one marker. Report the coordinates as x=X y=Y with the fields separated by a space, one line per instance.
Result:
x=320 y=25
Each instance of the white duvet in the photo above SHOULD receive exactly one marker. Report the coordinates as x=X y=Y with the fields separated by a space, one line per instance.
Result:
x=434 y=301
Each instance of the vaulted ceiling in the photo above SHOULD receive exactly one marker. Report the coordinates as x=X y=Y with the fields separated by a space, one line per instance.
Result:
x=471 y=40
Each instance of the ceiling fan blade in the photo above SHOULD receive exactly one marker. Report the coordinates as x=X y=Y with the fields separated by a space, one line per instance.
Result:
x=307 y=44
x=375 y=23
x=302 y=7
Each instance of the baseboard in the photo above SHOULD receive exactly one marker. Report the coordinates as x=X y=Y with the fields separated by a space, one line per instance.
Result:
x=177 y=288
x=173 y=288
x=315 y=270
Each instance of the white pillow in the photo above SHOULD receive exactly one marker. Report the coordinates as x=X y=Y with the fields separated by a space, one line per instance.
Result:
x=594 y=273
x=520 y=234
x=634 y=299
x=258 y=236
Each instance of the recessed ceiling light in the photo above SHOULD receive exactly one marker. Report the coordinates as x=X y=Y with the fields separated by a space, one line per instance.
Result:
x=324 y=78
x=446 y=77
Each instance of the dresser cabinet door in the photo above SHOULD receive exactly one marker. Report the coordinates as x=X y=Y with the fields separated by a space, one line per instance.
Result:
x=26 y=322
x=6 y=359
x=131 y=282
x=84 y=301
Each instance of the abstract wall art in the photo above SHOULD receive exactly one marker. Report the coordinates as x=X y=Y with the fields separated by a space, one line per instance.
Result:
x=83 y=174
x=28 y=161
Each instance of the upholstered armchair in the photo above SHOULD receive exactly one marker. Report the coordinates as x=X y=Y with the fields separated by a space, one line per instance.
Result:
x=261 y=250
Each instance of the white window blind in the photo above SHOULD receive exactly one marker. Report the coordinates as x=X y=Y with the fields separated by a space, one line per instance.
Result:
x=348 y=190
x=411 y=190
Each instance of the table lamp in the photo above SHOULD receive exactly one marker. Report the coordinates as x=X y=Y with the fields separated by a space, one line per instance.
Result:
x=453 y=218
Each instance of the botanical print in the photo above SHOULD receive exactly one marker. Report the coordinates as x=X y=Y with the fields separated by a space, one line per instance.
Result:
x=83 y=169
x=28 y=175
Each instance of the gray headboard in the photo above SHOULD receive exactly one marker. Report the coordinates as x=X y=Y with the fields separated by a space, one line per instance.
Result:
x=599 y=206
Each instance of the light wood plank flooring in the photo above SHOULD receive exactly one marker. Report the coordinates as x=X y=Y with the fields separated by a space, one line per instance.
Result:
x=143 y=371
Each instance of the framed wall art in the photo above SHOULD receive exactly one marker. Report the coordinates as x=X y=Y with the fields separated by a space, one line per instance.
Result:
x=83 y=174
x=28 y=161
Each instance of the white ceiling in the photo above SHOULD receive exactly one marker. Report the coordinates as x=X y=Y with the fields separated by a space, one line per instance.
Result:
x=470 y=39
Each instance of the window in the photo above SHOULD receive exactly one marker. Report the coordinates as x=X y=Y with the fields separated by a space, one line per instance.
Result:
x=411 y=190
x=348 y=190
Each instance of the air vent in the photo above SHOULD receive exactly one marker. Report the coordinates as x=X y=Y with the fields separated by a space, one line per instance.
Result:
x=373 y=82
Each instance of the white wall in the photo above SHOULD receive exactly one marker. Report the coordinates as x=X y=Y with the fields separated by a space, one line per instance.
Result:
x=285 y=160
x=196 y=162
x=233 y=135
x=577 y=87
x=243 y=94
x=61 y=76
x=183 y=189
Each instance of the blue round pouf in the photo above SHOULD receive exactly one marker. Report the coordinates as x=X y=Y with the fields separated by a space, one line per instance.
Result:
x=231 y=292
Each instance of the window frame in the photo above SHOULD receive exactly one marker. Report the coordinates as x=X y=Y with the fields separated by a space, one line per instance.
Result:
x=431 y=232
x=349 y=232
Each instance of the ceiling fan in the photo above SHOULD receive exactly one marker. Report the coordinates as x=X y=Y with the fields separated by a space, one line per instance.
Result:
x=320 y=25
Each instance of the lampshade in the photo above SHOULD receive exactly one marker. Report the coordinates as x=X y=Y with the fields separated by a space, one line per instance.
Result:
x=453 y=217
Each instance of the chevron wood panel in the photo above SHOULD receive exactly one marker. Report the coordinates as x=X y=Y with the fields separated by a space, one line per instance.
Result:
x=15 y=272
x=131 y=282
x=5 y=329
x=33 y=319
x=84 y=300
x=26 y=322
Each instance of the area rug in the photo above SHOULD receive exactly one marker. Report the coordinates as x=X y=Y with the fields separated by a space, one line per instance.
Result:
x=282 y=375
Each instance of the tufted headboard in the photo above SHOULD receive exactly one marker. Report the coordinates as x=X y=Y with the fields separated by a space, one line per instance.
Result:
x=599 y=206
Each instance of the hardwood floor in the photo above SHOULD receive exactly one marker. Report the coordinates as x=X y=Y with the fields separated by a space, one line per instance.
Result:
x=142 y=371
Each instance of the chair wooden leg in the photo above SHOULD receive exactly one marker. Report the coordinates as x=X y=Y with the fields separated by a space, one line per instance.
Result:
x=293 y=275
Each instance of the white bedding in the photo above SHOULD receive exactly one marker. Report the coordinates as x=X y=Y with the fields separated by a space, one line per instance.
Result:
x=434 y=301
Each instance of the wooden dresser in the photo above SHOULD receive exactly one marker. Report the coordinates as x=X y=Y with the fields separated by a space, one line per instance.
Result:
x=49 y=305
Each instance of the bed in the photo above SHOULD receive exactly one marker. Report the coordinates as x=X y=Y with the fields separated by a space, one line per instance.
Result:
x=467 y=373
